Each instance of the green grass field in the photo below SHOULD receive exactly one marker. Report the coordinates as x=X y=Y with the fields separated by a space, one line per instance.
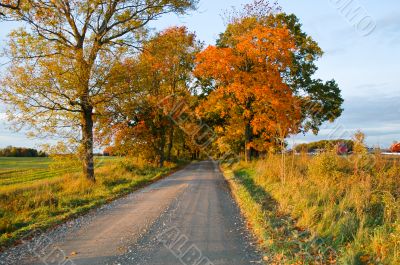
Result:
x=36 y=193
x=23 y=170
x=15 y=171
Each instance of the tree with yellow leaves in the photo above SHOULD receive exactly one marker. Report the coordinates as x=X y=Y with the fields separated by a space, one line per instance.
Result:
x=144 y=122
x=60 y=66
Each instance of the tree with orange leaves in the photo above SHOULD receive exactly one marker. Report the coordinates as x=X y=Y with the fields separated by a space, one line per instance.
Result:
x=261 y=71
x=251 y=91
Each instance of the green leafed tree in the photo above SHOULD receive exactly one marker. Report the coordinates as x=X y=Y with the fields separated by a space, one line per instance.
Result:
x=61 y=62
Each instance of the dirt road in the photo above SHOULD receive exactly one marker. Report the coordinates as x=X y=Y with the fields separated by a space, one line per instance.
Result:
x=188 y=218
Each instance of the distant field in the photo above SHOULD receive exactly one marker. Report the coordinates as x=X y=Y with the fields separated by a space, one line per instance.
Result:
x=19 y=170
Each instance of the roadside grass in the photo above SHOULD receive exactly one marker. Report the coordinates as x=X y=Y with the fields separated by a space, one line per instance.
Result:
x=326 y=209
x=36 y=196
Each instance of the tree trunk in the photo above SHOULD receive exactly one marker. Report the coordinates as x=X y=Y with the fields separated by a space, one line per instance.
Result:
x=84 y=71
x=87 y=144
x=171 y=142
x=161 y=159
x=248 y=139
x=161 y=153
x=248 y=132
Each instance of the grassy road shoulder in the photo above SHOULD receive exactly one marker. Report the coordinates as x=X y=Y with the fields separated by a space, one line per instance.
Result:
x=325 y=209
x=278 y=236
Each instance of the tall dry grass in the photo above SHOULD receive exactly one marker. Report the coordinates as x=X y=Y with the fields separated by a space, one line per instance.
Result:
x=350 y=204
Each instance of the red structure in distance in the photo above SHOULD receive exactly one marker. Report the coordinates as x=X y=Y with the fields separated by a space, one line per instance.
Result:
x=395 y=148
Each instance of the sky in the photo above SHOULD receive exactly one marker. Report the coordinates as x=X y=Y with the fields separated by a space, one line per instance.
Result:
x=361 y=41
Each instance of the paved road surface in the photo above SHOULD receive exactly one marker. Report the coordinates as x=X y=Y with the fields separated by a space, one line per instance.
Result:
x=188 y=218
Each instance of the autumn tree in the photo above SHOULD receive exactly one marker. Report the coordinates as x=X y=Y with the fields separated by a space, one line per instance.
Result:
x=56 y=83
x=164 y=80
x=171 y=56
x=261 y=70
x=7 y=5
x=320 y=101
x=250 y=91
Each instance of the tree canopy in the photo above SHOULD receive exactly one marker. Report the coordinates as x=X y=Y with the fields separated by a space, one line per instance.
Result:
x=163 y=77
x=95 y=72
